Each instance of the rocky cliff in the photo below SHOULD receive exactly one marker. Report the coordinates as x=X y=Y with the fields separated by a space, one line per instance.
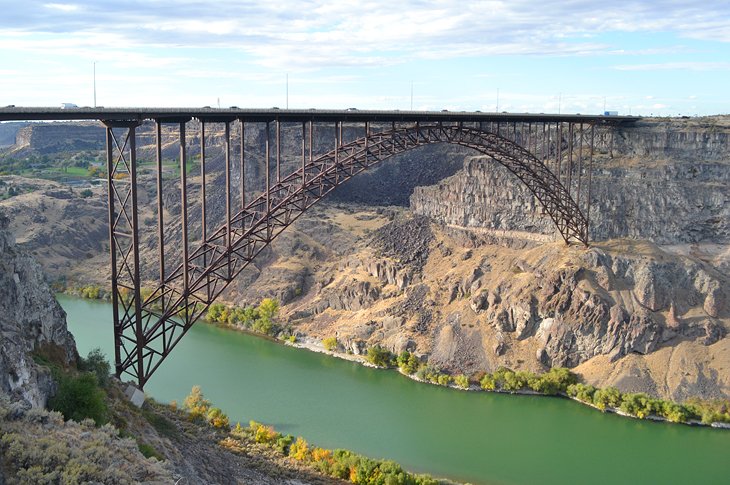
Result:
x=31 y=321
x=478 y=279
x=668 y=182
x=46 y=138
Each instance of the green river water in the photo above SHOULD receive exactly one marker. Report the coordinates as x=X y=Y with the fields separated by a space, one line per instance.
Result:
x=482 y=438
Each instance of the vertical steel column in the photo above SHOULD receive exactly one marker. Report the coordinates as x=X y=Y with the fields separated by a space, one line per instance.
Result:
x=570 y=158
x=160 y=219
x=184 y=202
x=278 y=151
x=243 y=172
x=160 y=208
x=124 y=238
x=139 y=331
x=542 y=152
x=203 y=218
x=590 y=181
x=267 y=164
x=113 y=249
x=204 y=232
x=304 y=156
x=367 y=141
x=580 y=162
x=227 y=148
x=337 y=142
x=559 y=150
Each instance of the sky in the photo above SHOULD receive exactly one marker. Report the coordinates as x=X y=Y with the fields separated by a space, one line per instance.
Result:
x=662 y=57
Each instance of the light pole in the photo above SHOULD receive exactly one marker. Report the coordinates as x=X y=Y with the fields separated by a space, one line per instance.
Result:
x=94 y=84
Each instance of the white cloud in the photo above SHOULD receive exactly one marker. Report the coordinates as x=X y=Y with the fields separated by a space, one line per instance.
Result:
x=285 y=32
x=676 y=66
x=63 y=7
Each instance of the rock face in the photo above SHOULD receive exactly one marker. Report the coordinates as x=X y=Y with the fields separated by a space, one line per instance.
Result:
x=53 y=137
x=666 y=182
x=30 y=321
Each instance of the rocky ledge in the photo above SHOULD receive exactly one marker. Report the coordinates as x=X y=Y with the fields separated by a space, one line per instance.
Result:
x=31 y=322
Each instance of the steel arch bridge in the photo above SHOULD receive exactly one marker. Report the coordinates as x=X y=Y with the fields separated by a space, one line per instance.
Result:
x=551 y=154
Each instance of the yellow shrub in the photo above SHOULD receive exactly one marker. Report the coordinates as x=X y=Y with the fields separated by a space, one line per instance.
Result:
x=299 y=450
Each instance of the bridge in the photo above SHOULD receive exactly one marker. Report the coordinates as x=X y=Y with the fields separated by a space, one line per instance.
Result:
x=551 y=154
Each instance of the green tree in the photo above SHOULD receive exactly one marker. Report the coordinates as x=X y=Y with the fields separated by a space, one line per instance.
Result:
x=608 y=397
x=379 y=356
x=488 y=382
x=214 y=312
x=408 y=362
x=96 y=363
x=582 y=392
x=268 y=308
x=461 y=381
x=79 y=397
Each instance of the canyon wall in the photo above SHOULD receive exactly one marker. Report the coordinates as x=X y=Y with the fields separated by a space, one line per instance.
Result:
x=666 y=182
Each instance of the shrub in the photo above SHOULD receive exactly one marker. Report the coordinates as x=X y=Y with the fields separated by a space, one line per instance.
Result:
x=330 y=343
x=461 y=381
x=299 y=450
x=608 y=397
x=148 y=451
x=443 y=379
x=582 y=392
x=96 y=363
x=380 y=356
x=263 y=434
x=196 y=404
x=79 y=398
x=283 y=443
x=488 y=382
x=408 y=362
x=218 y=419
x=514 y=381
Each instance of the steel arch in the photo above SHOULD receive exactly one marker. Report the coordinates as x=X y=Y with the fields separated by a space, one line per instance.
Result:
x=173 y=307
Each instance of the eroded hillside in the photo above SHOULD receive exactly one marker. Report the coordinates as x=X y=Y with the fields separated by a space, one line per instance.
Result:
x=476 y=278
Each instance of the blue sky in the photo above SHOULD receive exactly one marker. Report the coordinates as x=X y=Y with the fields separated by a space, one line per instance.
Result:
x=573 y=56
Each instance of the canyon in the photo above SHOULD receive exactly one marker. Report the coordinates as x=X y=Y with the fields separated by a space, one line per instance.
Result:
x=449 y=256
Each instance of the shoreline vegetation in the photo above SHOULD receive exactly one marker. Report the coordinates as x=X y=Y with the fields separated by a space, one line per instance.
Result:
x=87 y=394
x=561 y=382
x=338 y=463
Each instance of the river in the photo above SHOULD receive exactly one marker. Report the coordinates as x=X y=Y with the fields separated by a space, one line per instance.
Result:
x=482 y=438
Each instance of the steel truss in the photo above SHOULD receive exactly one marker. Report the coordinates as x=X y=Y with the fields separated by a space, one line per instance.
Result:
x=553 y=159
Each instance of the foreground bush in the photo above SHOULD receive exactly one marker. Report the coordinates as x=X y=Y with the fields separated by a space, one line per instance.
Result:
x=38 y=447
x=96 y=363
x=78 y=398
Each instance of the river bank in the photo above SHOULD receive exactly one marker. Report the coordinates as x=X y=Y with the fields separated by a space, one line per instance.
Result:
x=484 y=438
x=637 y=406
x=314 y=345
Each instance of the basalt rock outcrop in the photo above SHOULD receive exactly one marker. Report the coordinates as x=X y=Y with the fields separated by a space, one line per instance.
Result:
x=31 y=321
x=668 y=182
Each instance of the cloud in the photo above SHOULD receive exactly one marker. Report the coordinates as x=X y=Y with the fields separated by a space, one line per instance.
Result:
x=316 y=33
x=676 y=66
x=63 y=7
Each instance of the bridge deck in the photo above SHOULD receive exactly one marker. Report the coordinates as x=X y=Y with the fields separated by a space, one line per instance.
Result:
x=12 y=113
